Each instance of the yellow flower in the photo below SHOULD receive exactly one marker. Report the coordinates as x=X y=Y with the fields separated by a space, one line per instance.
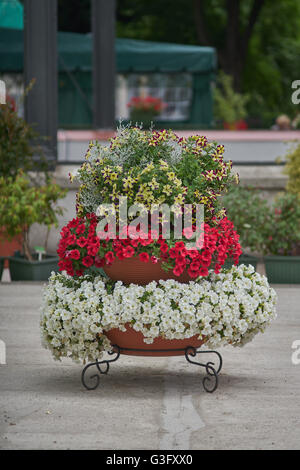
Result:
x=221 y=214
x=179 y=199
x=209 y=175
x=171 y=175
x=163 y=165
x=148 y=168
x=153 y=184
x=106 y=172
x=128 y=183
x=177 y=182
x=113 y=176
x=167 y=190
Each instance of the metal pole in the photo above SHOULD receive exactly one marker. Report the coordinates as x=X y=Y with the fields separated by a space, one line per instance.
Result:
x=40 y=63
x=103 y=28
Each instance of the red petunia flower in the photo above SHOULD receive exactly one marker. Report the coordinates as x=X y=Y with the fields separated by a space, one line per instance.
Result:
x=93 y=250
x=203 y=272
x=80 y=229
x=75 y=254
x=99 y=262
x=120 y=253
x=71 y=239
x=144 y=257
x=110 y=257
x=128 y=252
x=82 y=242
x=87 y=261
x=177 y=271
x=164 y=248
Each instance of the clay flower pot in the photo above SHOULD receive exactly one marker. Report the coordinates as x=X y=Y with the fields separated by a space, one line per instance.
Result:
x=133 y=270
x=8 y=247
x=134 y=340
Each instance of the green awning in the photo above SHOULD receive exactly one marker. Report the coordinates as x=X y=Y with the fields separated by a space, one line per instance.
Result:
x=11 y=14
x=75 y=53
x=148 y=56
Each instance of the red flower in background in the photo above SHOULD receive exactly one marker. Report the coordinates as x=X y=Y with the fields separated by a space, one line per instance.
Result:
x=147 y=103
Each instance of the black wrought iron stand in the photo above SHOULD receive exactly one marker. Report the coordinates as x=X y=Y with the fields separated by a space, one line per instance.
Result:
x=210 y=380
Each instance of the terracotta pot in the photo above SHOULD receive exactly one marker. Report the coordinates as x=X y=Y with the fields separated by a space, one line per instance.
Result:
x=134 y=340
x=8 y=248
x=133 y=270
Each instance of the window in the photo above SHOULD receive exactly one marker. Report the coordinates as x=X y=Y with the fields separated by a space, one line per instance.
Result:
x=175 y=90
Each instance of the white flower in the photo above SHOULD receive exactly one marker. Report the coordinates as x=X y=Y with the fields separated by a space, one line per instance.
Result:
x=228 y=308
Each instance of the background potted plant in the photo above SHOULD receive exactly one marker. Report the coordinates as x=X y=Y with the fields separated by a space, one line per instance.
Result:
x=144 y=109
x=2 y=259
x=269 y=229
x=282 y=246
x=292 y=169
x=282 y=240
x=230 y=106
x=21 y=205
x=19 y=146
x=247 y=210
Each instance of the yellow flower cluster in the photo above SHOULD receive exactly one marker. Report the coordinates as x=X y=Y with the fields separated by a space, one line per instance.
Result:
x=200 y=198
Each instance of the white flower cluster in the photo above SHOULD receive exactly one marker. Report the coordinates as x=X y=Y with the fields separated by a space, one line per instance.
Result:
x=226 y=308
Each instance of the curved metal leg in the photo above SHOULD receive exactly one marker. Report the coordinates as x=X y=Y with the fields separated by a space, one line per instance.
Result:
x=102 y=367
x=210 y=381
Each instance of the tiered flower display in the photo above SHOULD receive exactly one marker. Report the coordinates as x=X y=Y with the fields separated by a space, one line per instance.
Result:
x=192 y=295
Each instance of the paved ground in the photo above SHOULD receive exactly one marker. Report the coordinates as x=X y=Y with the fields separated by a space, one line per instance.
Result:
x=147 y=403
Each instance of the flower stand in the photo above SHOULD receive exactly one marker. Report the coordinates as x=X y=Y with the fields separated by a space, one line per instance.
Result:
x=210 y=380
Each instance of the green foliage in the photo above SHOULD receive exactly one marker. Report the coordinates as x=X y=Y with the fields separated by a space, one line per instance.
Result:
x=292 y=169
x=230 y=106
x=283 y=226
x=270 y=229
x=22 y=205
x=272 y=62
x=247 y=210
x=16 y=144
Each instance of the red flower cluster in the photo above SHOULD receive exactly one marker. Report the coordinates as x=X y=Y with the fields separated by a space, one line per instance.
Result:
x=213 y=247
x=81 y=248
x=147 y=103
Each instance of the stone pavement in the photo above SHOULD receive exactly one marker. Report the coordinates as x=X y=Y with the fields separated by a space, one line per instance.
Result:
x=147 y=403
